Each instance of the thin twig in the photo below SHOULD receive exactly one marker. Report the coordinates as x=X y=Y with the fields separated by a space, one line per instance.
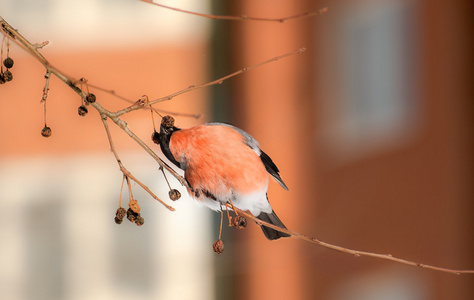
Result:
x=21 y=41
x=123 y=125
x=130 y=193
x=347 y=250
x=121 y=190
x=220 y=80
x=13 y=34
x=158 y=111
x=127 y=173
x=112 y=92
x=243 y=17
x=47 y=76
x=166 y=179
x=220 y=227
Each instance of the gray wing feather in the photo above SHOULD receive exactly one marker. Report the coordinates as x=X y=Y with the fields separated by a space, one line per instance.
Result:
x=270 y=166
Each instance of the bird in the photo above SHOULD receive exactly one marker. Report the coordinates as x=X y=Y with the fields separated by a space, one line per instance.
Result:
x=223 y=164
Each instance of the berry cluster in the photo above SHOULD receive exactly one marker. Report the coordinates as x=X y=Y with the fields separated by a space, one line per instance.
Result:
x=135 y=217
x=6 y=76
x=237 y=221
x=90 y=98
x=133 y=214
x=82 y=110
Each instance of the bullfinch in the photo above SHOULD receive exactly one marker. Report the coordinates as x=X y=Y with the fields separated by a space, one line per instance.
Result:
x=223 y=164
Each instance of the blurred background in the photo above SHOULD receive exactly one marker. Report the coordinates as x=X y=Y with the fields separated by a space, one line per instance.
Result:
x=371 y=128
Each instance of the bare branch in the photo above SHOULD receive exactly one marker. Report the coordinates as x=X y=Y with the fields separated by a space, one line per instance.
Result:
x=125 y=172
x=13 y=34
x=47 y=76
x=243 y=17
x=158 y=111
x=347 y=250
x=112 y=92
x=123 y=125
x=220 y=80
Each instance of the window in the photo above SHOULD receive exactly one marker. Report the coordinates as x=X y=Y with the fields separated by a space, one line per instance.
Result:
x=374 y=102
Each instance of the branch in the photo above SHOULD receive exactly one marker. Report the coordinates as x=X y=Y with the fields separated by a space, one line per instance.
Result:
x=158 y=111
x=32 y=49
x=141 y=104
x=347 y=250
x=125 y=172
x=220 y=80
x=243 y=17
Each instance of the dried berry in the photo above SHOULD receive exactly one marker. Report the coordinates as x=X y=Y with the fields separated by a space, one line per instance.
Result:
x=239 y=222
x=119 y=215
x=134 y=206
x=131 y=215
x=155 y=137
x=8 y=62
x=90 y=98
x=2 y=81
x=121 y=212
x=135 y=217
x=82 y=110
x=139 y=221
x=174 y=194
x=46 y=132
x=167 y=121
x=7 y=76
x=218 y=246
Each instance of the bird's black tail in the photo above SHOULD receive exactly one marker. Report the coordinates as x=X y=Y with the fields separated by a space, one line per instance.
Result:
x=270 y=233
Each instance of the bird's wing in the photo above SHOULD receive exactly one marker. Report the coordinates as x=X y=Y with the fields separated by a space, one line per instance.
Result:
x=270 y=166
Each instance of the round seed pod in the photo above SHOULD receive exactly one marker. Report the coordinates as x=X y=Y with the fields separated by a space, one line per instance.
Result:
x=139 y=220
x=8 y=62
x=167 y=121
x=239 y=222
x=82 y=110
x=90 y=98
x=131 y=215
x=218 y=246
x=46 y=132
x=7 y=76
x=174 y=194
x=155 y=137
x=120 y=213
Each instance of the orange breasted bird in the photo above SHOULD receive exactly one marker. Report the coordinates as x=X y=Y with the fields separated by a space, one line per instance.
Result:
x=223 y=164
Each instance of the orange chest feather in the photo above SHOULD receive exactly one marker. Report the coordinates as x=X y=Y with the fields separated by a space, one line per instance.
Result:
x=218 y=160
